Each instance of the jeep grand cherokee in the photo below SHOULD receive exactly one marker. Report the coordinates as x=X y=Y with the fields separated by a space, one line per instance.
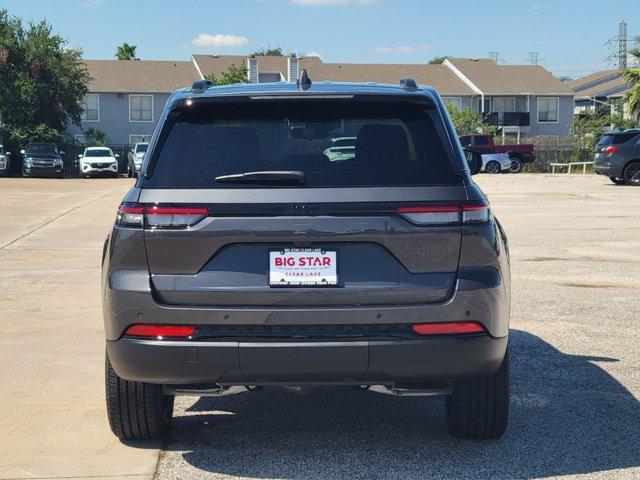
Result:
x=245 y=257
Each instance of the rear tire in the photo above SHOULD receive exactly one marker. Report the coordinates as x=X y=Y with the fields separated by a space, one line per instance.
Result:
x=479 y=408
x=631 y=174
x=617 y=181
x=136 y=410
x=493 y=167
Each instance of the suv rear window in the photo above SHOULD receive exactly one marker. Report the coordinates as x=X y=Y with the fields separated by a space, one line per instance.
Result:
x=396 y=143
x=616 y=139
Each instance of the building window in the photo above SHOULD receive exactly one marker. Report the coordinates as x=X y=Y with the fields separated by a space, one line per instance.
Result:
x=457 y=101
x=133 y=139
x=80 y=138
x=504 y=104
x=487 y=105
x=91 y=107
x=548 y=109
x=141 y=108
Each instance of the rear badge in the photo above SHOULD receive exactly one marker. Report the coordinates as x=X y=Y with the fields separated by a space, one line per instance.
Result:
x=303 y=267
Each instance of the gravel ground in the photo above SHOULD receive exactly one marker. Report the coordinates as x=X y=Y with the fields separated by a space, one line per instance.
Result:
x=575 y=245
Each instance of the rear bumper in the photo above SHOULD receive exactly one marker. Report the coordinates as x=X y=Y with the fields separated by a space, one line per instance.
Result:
x=607 y=170
x=339 y=362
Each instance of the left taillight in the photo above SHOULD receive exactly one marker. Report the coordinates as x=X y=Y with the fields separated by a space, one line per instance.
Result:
x=159 y=217
x=446 y=214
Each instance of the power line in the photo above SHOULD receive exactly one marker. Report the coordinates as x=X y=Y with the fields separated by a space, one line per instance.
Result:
x=495 y=56
x=535 y=59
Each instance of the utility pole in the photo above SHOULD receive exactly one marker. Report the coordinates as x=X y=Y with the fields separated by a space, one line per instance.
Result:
x=495 y=56
x=534 y=58
x=622 y=45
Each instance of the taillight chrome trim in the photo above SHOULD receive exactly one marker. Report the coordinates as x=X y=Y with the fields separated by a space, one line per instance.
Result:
x=139 y=216
x=427 y=215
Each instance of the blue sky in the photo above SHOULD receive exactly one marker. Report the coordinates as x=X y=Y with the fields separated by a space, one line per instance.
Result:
x=569 y=34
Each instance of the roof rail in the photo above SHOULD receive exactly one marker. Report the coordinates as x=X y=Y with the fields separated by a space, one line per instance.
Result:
x=408 y=84
x=200 y=86
x=304 y=82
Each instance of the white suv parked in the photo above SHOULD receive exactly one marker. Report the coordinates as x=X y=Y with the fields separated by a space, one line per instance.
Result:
x=98 y=160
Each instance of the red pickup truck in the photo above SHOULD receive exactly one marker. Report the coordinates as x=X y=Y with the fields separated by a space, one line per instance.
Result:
x=519 y=154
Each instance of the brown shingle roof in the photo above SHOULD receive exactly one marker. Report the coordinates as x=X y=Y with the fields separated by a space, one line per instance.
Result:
x=608 y=83
x=494 y=79
x=437 y=76
x=145 y=76
x=594 y=77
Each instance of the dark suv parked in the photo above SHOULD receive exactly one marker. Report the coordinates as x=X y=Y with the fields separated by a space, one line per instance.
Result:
x=617 y=155
x=42 y=159
x=245 y=257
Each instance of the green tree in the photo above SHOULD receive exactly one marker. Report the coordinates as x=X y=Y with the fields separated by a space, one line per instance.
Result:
x=468 y=122
x=230 y=76
x=42 y=83
x=269 y=51
x=95 y=138
x=632 y=76
x=126 y=52
x=438 y=60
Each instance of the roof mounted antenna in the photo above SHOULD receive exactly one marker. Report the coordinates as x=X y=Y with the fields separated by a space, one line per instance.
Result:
x=408 y=84
x=199 y=86
x=304 y=82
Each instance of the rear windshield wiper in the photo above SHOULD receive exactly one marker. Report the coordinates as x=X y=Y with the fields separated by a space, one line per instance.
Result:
x=265 y=176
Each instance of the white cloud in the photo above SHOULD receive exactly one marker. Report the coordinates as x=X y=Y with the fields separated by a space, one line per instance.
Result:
x=399 y=49
x=321 y=3
x=536 y=8
x=205 y=40
x=313 y=54
x=93 y=3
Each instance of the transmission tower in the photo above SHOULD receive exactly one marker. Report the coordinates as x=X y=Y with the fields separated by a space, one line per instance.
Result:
x=534 y=58
x=622 y=45
x=495 y=56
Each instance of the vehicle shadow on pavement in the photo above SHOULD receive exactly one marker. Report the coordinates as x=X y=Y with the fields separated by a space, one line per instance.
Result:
x=568 y=416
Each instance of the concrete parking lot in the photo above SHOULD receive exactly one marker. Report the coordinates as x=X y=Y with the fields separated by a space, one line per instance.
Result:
x=575 y=246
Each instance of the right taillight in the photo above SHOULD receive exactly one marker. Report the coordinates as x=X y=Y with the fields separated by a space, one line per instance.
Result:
x=610 y=149
x=159 y=217
x=446 y=214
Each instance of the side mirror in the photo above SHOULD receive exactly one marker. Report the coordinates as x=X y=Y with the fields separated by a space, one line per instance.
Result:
x=80 y=156
x=61 y=154
x=23 y=152
x=117 y=155
x=8 y=154
x=474 y=160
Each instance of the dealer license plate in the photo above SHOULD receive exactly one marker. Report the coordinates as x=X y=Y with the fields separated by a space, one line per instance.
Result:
x=307 y=267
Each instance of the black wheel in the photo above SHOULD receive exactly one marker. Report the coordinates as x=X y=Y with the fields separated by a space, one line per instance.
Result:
x=617 y=181
x=136 y=410
x=493 y=167
x=129 y=172
x=631 y=174
x=479 y=408
x=516 y=165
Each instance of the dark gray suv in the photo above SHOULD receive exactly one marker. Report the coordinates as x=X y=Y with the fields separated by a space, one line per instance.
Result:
x=617 y=155
x=245 y=257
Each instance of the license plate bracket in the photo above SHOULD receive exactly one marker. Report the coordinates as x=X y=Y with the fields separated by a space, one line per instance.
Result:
x=303 y=267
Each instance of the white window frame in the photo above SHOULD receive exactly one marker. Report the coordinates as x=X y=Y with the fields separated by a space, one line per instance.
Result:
x=153 y=115
x=457 y=101
x=83 y=118
x=557 y=120
x=132 y=135
x=479 y=104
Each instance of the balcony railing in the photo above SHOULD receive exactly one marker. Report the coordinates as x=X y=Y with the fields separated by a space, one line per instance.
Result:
x=508 y=119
